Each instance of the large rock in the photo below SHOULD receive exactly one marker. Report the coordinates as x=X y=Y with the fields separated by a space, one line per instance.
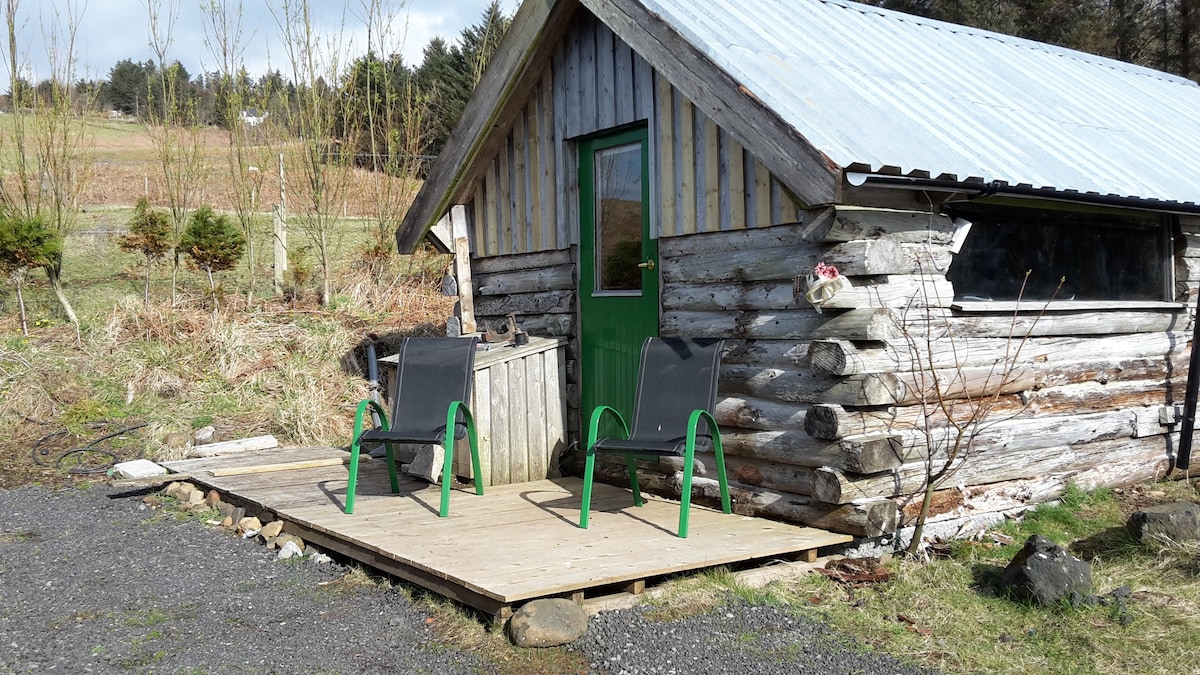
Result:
x=548 y=622
x=428 y=463
x=1179 y=521
x=1043 y=572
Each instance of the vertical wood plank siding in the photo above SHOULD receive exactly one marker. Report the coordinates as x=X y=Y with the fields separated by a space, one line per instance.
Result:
x=526 y=200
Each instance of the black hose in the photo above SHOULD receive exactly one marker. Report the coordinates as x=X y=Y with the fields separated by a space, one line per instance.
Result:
x=43 y=455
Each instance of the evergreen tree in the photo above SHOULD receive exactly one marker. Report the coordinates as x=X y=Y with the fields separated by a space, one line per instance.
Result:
x=213 y=243
x=26 y=243
x=150 y=235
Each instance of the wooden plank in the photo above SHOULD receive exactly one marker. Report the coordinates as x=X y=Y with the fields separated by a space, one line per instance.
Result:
x=562 y=172
x=605 y=78
x=479 y=224
x=482 y=405
x=535 y=419
x=554 y=395
x=504 y=200
x=667 y=176
x=514 y=263
x=501 y=424
x=623 y=74
x=737 y=183
x=234 y=446
x=712 y=190
x=520 y=183
x=495 y=201
x=762 y=195
x=531 y=280
x=517 y=450
x=284 y=466
x=855 y=222
x=685 y=140
x=589 y=87
x=462 y=269
x=537 y=186
x=548 y=149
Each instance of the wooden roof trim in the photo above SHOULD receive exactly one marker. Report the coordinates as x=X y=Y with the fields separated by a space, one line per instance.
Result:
x=508 y=69
x=795 y=162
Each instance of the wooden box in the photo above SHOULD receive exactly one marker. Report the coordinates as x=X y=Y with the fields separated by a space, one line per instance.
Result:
x=519 y=404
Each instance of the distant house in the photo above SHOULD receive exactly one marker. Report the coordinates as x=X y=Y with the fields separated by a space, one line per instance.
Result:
x=630 y=168
x=252 y=117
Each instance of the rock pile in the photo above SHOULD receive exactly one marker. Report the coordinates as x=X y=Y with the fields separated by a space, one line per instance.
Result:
x=189 y=498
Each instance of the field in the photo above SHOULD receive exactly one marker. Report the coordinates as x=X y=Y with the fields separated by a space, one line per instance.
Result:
x=262 y=364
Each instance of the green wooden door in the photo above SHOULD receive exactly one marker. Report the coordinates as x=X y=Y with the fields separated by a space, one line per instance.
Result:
x=618 y=268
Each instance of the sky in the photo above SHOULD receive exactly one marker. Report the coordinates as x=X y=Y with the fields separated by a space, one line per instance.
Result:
x=111 y=30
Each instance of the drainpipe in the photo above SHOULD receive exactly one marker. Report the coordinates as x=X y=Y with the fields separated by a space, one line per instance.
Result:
x=1184 y=455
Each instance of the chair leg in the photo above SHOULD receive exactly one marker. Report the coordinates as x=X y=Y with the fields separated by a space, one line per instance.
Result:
x=447 y=469
x=391 y=462
x=589 y=470
x=352 y=479
x=722 y=478
x=685 y=491
x=475 y=471
x=633 y=481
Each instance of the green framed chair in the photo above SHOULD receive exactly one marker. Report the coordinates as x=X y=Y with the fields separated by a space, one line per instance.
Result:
x=676 y=391
x=430 y=405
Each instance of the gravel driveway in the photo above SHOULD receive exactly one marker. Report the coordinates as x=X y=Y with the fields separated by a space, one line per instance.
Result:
x=92 y=581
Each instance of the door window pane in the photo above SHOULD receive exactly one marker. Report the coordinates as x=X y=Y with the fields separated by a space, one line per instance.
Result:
x=619 y=211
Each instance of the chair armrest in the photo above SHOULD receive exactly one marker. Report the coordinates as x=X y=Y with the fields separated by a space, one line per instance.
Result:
x=594 y=424
x=360 y=412
x=694 y=423
x=452 y=418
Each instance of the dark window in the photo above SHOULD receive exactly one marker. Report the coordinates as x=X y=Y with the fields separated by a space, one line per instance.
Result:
x=1098 y=256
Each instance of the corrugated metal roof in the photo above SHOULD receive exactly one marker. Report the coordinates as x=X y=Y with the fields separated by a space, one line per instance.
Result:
x=885 y=92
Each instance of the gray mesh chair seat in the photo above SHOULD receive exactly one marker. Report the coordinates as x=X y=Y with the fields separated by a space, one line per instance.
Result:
x=672 y=417
x=432 y=394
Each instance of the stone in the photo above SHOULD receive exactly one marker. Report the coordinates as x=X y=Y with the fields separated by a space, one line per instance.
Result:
x=212 y=498
x=138 y=468
x=204 y=435
x=225 y=509
x=227 y=523
x=285 y=539
x=177 y=440
x=548 y=622
x=178 y=490
x=1177 y=521
x=153 y=501
x=271 y=530
x=193 y=496
x=248 y=525
x=289 y=550
x=428 y=463
x=1043 y=572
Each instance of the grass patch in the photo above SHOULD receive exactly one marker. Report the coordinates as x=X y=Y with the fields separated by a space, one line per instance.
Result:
x=19 y=536
x=946 y=614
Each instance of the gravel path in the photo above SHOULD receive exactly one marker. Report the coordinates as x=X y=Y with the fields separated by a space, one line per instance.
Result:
x=93 y=581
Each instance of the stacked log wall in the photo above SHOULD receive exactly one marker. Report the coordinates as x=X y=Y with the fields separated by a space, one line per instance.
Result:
x=1090 y=399
x=824 y=408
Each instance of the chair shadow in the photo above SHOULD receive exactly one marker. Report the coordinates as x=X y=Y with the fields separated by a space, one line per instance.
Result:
x=373 y=486
x=572 y=502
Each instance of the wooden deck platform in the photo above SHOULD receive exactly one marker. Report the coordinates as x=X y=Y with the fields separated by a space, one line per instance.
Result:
x=516 y=543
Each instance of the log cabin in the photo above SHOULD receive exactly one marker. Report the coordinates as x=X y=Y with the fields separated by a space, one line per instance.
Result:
x=1014 y=227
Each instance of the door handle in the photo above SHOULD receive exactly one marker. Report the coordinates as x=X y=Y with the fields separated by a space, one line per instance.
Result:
x=649 y=264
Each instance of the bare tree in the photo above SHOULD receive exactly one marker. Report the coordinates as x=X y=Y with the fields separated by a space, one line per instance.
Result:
x=227 y=43
x=393 y=133
x=955 y=403
x=324 y=166
x=173 y=125
x=51 y=153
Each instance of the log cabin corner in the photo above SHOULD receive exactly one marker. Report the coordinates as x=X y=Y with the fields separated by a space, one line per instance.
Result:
x=630 y=168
